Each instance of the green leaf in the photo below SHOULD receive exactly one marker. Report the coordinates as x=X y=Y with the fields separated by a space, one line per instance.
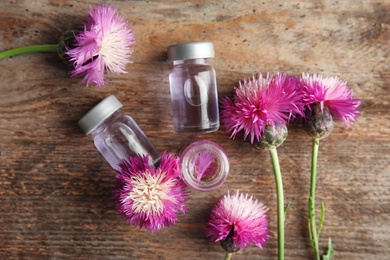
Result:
x=322 y=219
x=286 y=209
x=330 y=252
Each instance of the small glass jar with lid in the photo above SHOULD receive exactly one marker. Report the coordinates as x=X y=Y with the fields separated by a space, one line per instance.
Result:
x=193 y=88
x=204 y=165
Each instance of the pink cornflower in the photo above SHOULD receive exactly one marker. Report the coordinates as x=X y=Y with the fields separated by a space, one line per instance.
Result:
x=325 y=99
x=150 y=197
x=260 y=102
x=104 y=44
x=333 y=93
x=239 y=218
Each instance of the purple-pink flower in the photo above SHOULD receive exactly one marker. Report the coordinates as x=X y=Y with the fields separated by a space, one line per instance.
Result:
x=150 y=197
x=332 y=93
x=103 y=44
x=261 y=101
x=240 y=218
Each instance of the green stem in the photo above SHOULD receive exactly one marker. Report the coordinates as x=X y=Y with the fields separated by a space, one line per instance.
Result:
x=228 y=255
x=312 y=213
x=29 y=49
x=280 y=201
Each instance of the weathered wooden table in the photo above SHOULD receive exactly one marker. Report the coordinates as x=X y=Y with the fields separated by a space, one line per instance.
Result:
x=56 y=196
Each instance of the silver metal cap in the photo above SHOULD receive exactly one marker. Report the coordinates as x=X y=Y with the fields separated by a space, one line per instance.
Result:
x=191 y=50
x=99 y=113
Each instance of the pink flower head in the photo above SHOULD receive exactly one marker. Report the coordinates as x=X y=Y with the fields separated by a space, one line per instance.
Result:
x=150 y=197
x=241 y=217
x=104 y=44
x=332 y=93
x=261 y=101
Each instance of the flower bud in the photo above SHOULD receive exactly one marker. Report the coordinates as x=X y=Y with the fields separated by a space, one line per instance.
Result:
x=319 y=121
x=67 y=41
x=228 y=244
x=273 y=136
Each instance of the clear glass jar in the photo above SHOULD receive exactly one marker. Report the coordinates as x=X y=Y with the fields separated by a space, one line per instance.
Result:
x=204 y=165
x=193 y=88
x=116 y=135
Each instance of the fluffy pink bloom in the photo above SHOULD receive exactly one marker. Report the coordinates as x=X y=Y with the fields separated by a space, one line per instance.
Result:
x=104 y=44
x=241 y=217
x=332 y=93
x=261 y=101
x=150 y=197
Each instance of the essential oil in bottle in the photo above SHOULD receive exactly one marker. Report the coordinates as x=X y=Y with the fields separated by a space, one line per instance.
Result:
x=193 y=88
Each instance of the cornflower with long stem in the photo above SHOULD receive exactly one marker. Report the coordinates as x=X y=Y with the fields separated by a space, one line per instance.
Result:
x=103 y=44
x=325 y=99
x=261 y=108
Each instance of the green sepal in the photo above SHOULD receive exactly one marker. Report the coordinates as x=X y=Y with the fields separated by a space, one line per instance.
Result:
x=318 y=121
x=273 y=136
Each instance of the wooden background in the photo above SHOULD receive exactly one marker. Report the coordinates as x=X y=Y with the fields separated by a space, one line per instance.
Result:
x=56 y=189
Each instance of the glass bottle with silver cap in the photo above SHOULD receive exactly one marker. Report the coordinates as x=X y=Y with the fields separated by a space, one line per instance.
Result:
x=193 y=88
x=116 y=135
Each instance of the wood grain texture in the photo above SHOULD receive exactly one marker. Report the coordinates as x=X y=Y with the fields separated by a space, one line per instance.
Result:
x=56 y=190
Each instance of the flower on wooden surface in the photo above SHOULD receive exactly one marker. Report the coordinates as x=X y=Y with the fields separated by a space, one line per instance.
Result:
x=261 y=107
x=332 y=93
x=325 y=99
x=150 y=197
x=104 y=44
x=259 y=102
x=238 y=221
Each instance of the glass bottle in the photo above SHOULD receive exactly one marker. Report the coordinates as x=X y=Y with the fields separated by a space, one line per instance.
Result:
x=193 y=88
x=116 y=135
x=204 y=165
